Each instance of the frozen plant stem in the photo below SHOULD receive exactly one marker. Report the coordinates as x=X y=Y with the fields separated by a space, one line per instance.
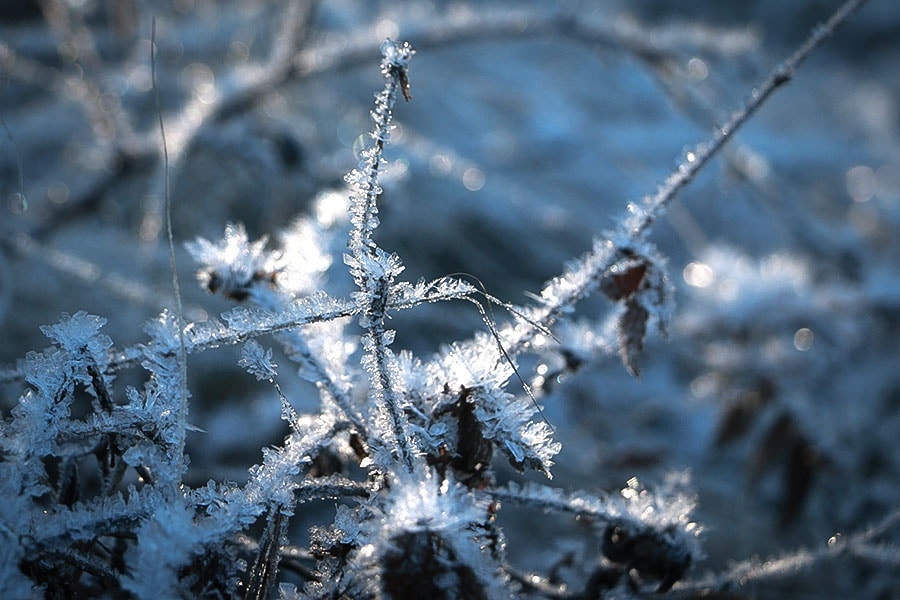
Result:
x=373 y=269
x=579 y=281
x=702 y=153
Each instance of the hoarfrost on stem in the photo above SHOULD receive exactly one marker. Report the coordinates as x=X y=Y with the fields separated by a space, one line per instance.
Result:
x=405 y=445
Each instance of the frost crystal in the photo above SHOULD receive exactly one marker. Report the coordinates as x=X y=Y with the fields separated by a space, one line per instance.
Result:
x=78 y=334
x=396 y=56
x=258 y=361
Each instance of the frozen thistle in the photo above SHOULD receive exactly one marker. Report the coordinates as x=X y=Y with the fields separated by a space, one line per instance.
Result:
x=406 y=447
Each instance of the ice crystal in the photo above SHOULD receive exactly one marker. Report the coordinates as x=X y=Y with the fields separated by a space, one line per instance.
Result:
x=79 y=333
x=514 y=425
x=258 y=361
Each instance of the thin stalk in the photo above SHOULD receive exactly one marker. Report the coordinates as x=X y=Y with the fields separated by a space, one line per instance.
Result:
x=372 y=269
x=581 y=280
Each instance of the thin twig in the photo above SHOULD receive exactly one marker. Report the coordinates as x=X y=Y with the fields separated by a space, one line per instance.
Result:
x=755 y=570
x=704 y=152
x=581 y=280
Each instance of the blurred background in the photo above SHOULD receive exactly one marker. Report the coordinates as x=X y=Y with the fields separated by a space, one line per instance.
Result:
x=532 y=125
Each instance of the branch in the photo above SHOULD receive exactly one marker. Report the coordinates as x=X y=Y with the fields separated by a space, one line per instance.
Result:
x=372 y=269
x=861 y=544
x=561 y=294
